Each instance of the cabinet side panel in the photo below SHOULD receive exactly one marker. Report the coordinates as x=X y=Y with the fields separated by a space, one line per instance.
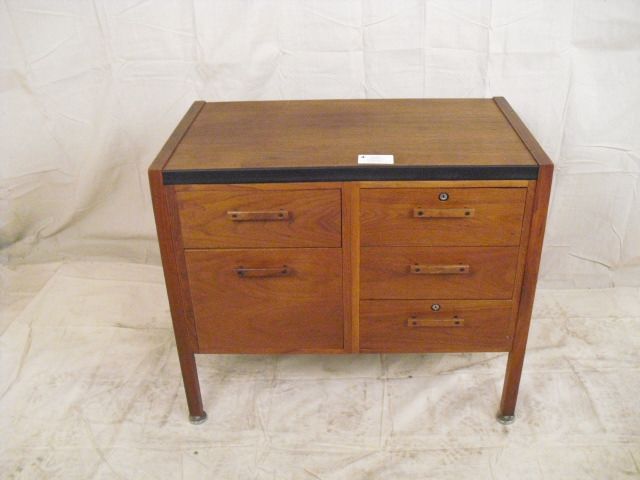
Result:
x=184 y=330
x=163 y=200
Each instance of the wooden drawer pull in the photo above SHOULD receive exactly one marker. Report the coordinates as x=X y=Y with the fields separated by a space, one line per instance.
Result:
x=239 y=216
x=439 y=269
x=435 y=322
x=443 y=212
x=263 y=272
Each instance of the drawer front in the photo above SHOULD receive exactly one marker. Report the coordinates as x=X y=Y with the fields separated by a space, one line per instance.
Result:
x=266 y=301
x=252 y=219
x=456 y=325
x=438 y=272
x=442 y=216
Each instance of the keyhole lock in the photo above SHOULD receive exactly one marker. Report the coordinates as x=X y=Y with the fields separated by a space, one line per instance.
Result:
x=443 y=197
x=435 y=307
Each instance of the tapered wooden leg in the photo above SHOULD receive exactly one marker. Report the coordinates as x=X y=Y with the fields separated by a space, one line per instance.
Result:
x=189 y=370
x=510 y=388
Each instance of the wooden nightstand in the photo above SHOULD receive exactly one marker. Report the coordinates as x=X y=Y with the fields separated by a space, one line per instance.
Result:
x=274 y=239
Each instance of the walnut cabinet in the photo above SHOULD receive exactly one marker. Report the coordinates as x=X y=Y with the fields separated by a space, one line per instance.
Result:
x=277 y=237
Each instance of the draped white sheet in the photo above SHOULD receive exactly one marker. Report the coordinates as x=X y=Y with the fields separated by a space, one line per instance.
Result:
x=89 y=381
x=89 y=91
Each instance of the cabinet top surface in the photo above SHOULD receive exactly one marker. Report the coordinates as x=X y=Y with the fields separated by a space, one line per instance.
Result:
x=246 y=139
x=333 y=133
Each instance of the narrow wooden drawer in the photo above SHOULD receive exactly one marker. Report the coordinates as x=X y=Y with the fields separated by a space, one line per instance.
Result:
x=267 y=301
x=441 y=216
x=438 y=272
x=245 y=218
x=435 y=325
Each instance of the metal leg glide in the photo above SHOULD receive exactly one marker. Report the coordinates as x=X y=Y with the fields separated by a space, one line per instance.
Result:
x=506 y=419
x=198 y=419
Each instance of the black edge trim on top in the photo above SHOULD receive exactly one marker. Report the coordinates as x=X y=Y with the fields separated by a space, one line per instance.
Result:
x=347 y=174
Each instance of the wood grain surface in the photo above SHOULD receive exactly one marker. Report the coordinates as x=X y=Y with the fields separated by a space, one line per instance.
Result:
x=317 y=133
x=537 y=227
x=385 y=272
x=536 y=150
x=350 y=264
x=334 y=274
x=299 y=312
x=313 y=218
x=388 y=216
x=515 y=361
x=488 y=326
x=437 y=184
x=170 y=251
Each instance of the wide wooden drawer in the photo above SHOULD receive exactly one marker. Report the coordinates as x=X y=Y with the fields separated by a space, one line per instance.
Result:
x=267 y=301
x=245 y=218
x=441 y=216
x=438 y=272
x=435 y=325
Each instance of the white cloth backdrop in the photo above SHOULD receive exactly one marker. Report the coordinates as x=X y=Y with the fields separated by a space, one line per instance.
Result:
x=89 y=90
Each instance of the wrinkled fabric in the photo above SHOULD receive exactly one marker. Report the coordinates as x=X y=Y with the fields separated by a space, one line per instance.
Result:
x=90 y=385
x=89 y=91
x=90 y=388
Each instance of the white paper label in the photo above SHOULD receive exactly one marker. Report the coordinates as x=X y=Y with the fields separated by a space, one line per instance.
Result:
x=375 y=159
